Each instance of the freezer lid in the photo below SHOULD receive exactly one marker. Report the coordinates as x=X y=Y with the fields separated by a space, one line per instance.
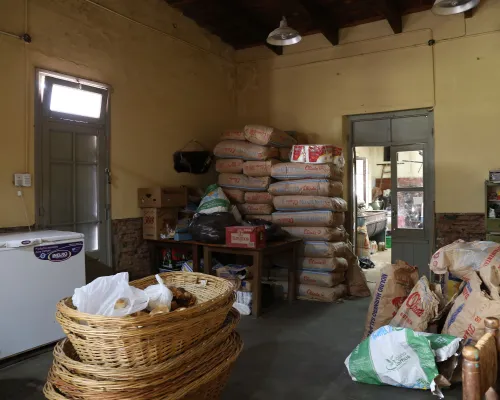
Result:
x=21 y=239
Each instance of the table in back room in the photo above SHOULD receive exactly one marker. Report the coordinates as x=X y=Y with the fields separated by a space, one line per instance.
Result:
x=271 y=248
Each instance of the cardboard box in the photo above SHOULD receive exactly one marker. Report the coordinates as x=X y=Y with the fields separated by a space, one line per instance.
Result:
x=158 y=221
x=162 y=197
x=250 y=237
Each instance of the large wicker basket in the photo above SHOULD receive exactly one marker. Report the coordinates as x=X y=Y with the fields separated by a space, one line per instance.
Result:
x=201 y=378
x=148 y=340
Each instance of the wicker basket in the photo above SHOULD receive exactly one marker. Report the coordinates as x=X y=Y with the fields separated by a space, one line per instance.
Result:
x=203 y=376
x=148 y=340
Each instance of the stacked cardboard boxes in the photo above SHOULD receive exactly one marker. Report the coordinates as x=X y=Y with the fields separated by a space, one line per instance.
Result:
x=309 y=206
x=245 y=160
x=160 y=210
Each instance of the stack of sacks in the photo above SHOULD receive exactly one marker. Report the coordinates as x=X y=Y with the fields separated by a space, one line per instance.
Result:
x=309 y=206
x=245 y=161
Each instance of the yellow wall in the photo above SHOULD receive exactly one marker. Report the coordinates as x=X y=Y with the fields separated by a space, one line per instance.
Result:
x=314 y=85
x=165 y=91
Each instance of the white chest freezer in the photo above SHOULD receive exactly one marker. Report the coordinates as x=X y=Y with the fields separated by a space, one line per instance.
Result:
x=37 y=269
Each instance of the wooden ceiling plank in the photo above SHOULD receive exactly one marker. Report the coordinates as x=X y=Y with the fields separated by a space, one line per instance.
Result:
x=391 y=12
x=323 y=20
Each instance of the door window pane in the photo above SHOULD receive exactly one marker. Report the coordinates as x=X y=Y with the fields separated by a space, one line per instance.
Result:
x=86 y=193
x=91 y=233
x=69 y=100
x=410 y=210
x=61 y=194
x=410 y=169
x=86 y=148
x=61 y=146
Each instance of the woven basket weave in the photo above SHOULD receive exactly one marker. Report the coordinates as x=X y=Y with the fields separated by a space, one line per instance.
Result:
x=148 y=340
x=202 y=378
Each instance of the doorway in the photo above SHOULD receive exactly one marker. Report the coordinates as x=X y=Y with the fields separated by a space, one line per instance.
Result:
x=72 y=157
x=392 y=190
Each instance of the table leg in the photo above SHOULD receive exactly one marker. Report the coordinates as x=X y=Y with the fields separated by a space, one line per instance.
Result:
x=292 y=276
x=196 y=258
x=207 y=260
x=257 y=284
x=153 y=258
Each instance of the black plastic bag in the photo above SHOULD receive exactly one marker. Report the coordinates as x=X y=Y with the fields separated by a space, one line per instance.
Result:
x=193 y=161
x=272 y=231
x=211 y=228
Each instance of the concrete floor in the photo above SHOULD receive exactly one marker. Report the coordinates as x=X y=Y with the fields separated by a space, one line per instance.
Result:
x=291 y=352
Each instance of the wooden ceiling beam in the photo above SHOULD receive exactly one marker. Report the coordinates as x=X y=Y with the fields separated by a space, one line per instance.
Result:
x=322 y=20
x=391 y=12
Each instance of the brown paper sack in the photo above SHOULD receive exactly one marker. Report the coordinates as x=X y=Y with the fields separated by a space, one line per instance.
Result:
x=235 y=195
x=232 y=134
x=307 y=187
x=243 y=150
x=317 y=218
x=268 y=136
x=258 y=168
x=317 y=233
x=419 y=308
x=356 y=280
x=255 y=209
x=466 y=317
x=258 y=198
x=240 y=181
x=229 y=165
x=393 y=287
x=287 y=171
x=284 y=203
x=323 y=249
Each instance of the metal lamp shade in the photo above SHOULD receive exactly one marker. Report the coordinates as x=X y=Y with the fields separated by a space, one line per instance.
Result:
x=449 y=7
x=284 y=35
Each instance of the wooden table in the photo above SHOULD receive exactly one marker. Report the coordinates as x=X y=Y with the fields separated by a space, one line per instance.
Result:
x=290 y=245
x=272 y=248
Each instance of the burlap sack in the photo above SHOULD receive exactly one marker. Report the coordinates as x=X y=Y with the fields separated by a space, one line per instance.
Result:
x=240 y=181
x=258 y=198
x=243 y=150
x=314 y=233
x=285 y=153
x=288 y=171
x=356 y=280
x=466 y=317
x=229 y=165
x=258 y=168
x=310 y=292
x=284 y=203
x=317 y=218
x=232 y=134
x=255 y=209
x=268 y=218
x=323 y=249
x=267 y=136
x=307 y=187
x=460 y=258
x=420 y=307
x=235 y=195
x=393 y=287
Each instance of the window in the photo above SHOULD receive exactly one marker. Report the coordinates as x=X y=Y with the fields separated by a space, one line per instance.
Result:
x=74 y=101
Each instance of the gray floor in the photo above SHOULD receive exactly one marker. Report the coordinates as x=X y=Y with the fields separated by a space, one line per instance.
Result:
x=292 y=352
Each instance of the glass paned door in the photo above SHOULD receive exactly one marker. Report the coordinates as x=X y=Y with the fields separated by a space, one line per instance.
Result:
x=408 y=191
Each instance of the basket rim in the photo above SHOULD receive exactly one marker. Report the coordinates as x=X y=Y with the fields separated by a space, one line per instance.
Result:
x=144 y=371
x=50 y=390
x=64 y=304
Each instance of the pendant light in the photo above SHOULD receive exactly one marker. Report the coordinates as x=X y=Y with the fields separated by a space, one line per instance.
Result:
x=284 y=35
x=449 y=7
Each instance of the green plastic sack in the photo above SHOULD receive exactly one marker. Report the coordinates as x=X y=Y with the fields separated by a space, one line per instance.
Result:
x=214 y=200
x=401 y=357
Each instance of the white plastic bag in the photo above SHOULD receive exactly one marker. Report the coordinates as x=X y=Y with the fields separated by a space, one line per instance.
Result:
x=159 y=295
x=101 y=295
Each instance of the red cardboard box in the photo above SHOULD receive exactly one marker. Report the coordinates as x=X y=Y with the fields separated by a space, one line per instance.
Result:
x=249 y=237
